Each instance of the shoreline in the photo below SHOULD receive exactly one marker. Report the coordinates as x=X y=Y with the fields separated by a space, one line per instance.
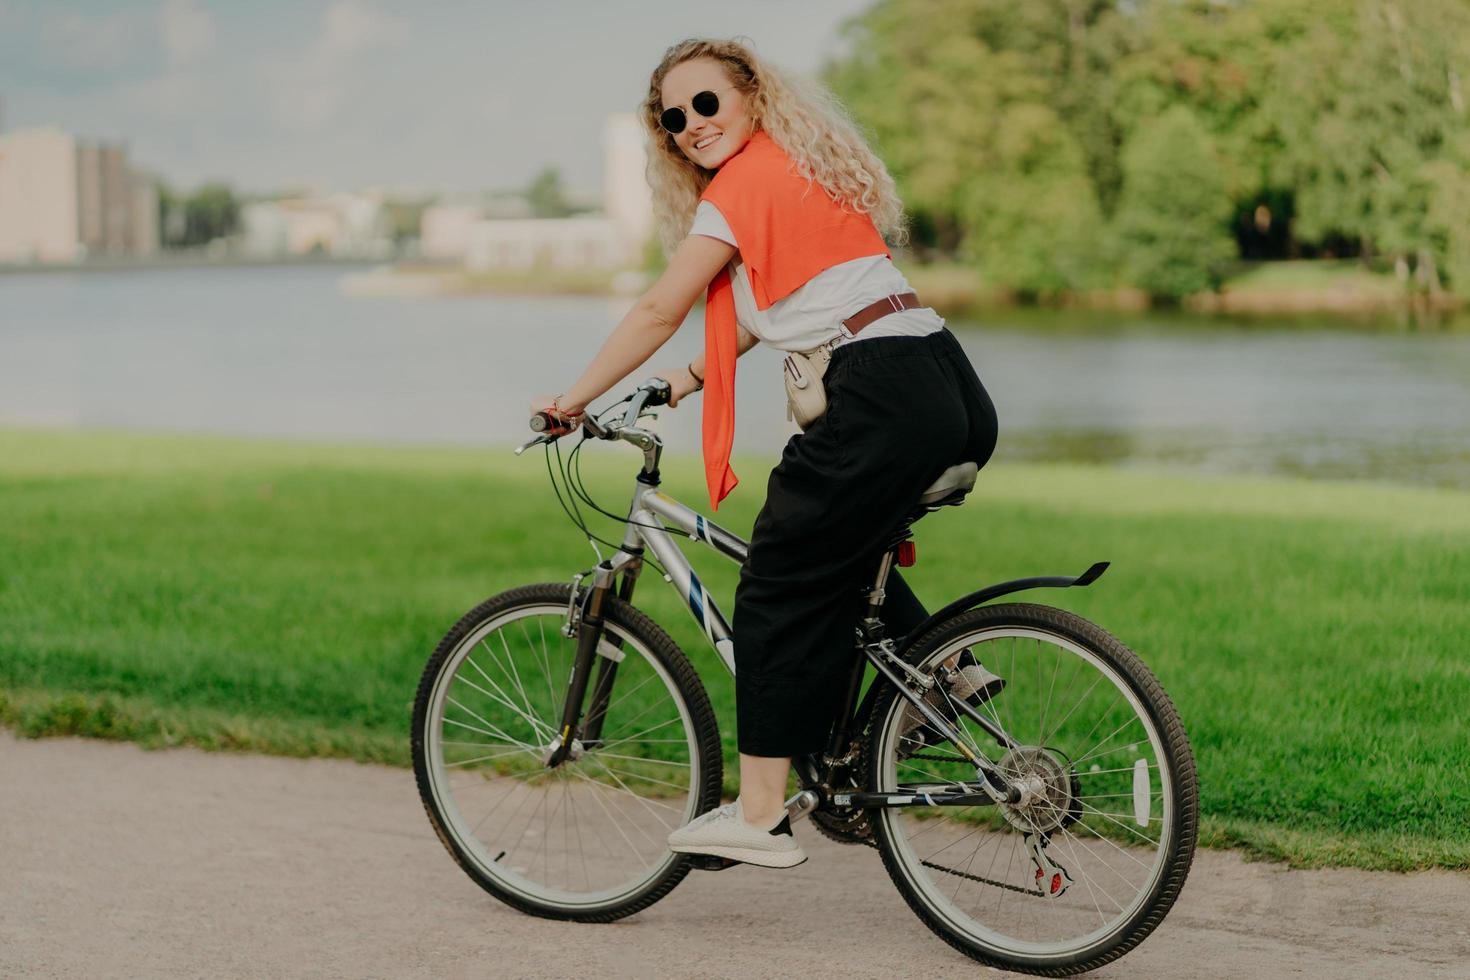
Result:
x=1340 y=289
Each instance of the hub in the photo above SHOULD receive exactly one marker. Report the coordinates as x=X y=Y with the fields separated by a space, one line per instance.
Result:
x=1048 y=790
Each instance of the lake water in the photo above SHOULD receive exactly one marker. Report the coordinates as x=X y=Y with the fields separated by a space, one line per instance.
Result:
x=283 y=352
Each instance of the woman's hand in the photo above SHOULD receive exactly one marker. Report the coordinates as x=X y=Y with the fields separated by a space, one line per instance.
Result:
x=681 y=383
x=558 y=407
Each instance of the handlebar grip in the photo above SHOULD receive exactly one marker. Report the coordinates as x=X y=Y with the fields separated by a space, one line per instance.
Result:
x=551 y=425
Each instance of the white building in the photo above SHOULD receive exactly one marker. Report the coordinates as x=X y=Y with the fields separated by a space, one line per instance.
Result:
x=627 y=198
x=560 y=243
x=444 y=230
x=613 y=239
x=62 y=199
x=344 y=225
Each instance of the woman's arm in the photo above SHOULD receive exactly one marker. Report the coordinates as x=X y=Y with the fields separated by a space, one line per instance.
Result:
x=744 y=341
x=682 y=383
x=650 y=323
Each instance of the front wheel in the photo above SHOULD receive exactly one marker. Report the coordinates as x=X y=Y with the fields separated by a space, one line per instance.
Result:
x=1091 y=859
x=587 y=838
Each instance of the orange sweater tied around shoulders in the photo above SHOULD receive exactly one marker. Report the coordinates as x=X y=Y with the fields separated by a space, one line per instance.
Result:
x=788 y=230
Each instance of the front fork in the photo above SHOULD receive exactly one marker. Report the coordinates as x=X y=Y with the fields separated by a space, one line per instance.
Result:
x=585 y=622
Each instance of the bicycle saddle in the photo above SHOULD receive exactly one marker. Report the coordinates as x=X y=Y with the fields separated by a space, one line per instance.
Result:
x=951 y=486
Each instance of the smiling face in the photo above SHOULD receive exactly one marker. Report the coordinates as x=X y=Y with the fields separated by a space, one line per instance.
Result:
x=710 y=141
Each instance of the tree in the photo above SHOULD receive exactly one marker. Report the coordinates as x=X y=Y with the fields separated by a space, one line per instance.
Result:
x=170 y=217
x=1035 y=225
x=931 y=79
x=1367 y=98
x=210 y=212
x=1174 y=209
x=1448 y=219
x=1332 y=123
x=546 y=195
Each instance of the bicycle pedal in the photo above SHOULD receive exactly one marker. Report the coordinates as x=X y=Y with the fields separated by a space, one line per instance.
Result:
x=710 y=862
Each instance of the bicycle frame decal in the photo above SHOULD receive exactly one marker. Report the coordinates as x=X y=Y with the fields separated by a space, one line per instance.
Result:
x=652 y=510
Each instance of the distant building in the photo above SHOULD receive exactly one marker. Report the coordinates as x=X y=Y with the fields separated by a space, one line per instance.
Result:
x=343 y=225
x=612 y=239
x=627 y=198
x=62 y=199
x=560 y=243
x=444 y=229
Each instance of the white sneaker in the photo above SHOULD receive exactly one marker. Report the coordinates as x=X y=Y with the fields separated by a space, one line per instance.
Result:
x=969 y=681
x=724 y=832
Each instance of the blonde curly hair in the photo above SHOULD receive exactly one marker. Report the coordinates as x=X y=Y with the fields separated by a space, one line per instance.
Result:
x=804 y=119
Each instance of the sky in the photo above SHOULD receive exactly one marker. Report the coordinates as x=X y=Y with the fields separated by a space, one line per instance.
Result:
x=439 y=95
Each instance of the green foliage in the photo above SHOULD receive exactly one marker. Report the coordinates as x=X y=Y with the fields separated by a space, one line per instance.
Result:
x=546 y=195
x=1341 y=115
x=405 y=216
x=1171 y=220
x=189 y=221
x=930 y=78
x=654 y=260
x=1034 y=218
x=210 y=212
x=1365 y=97
x=1448 y=220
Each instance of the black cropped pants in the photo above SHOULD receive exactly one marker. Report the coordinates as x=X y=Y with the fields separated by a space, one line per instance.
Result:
x=899 y=411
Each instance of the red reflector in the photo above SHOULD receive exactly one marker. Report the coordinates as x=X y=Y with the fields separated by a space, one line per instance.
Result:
x=906 y=554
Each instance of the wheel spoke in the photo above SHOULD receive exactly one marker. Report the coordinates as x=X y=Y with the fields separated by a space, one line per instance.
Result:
x=594 y=827
x=1076 y=708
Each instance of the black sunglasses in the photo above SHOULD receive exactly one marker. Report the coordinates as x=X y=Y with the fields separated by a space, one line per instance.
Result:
x=705 y=103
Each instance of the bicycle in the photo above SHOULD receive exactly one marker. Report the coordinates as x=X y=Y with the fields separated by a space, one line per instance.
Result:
x=559 y=734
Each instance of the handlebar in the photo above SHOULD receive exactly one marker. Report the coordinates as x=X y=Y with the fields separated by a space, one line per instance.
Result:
x=653 y=392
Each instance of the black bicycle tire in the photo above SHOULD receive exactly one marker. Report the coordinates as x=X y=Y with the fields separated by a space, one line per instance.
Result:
x=1176 y=749
x=689 y=687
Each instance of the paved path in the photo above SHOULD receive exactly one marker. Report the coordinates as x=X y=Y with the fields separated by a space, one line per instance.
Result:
x=116 y=862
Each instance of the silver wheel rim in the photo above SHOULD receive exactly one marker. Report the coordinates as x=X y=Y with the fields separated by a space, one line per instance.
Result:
x=518 y=823
x=1099 y=864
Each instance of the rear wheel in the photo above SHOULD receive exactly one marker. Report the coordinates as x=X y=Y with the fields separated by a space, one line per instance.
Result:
x=585 y=840
x=1092 y=858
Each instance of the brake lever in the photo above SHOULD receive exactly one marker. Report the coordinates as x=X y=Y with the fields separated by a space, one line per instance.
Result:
x=534 y=442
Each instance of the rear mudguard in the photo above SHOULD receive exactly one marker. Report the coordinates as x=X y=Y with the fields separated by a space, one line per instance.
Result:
x=995 y=591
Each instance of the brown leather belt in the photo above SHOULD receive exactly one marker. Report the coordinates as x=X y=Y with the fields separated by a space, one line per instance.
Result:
x=881 y=308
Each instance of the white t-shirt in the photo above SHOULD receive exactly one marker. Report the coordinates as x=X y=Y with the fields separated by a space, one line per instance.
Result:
x=813 y=314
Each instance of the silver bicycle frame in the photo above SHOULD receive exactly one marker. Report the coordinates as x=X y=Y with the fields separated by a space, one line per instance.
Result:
x=647 y=514
x=646 y=527
x=650 y=514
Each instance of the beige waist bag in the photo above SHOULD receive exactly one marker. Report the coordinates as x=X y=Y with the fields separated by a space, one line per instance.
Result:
x=806 y=396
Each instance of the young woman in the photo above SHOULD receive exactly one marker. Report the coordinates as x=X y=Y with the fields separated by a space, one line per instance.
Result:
x=774 y=207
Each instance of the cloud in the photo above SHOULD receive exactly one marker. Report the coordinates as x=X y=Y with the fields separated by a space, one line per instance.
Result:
x=308 y=89
x=188 y=31
x=350 y=27
x=186 y=34
x=76 y=40
x=169 y=95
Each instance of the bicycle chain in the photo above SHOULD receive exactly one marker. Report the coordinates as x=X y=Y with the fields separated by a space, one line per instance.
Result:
x=964 y=874
x=987 y=881
x=934 y=758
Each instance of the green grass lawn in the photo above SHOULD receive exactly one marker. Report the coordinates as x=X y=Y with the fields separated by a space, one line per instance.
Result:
x=1314 y=274
x=283 y=597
